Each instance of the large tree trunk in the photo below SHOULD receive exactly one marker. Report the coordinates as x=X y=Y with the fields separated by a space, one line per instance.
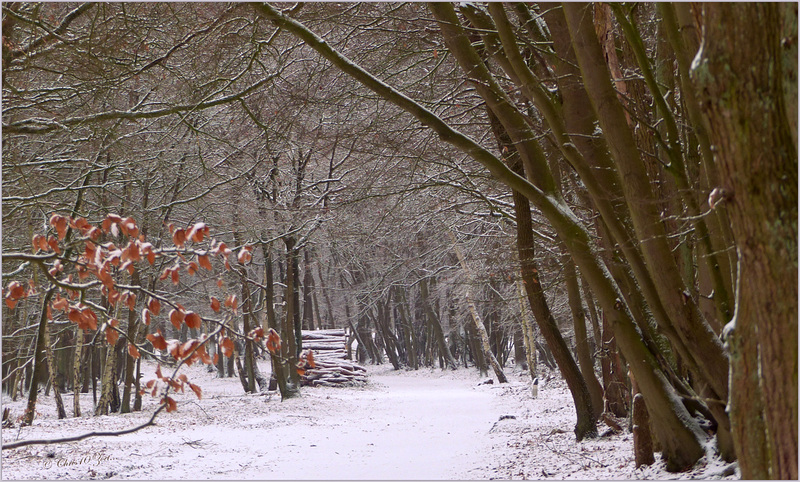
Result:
x=748 y=87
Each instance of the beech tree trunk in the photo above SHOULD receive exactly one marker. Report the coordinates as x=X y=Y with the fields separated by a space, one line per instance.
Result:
x=76 y=372
x=53 y=372
x=581 y=335
x=748 y=89
x=38 y=360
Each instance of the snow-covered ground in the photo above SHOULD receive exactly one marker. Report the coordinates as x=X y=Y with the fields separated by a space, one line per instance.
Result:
x=428 y=424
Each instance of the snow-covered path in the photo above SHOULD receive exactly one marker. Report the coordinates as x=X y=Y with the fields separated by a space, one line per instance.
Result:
x=415 y=428
x=423 y=425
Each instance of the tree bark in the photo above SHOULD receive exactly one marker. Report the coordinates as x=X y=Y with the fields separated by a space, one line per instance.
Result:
x=53 y=372
x=581 y=335
x=76 y=372
x=741 y=79
x=249 y=324
x=38 y=359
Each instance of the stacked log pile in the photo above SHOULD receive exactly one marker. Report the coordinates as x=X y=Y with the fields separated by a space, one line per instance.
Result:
x=331 y=368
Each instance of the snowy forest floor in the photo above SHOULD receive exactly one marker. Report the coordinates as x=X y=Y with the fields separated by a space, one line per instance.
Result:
x=428 y=424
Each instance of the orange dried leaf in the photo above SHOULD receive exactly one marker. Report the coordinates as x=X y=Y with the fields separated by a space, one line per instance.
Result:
x=176 y=317
x=154 y=306
x=53 y=243
x=15 y=290
x=60 y=223
x=215 y=304
x=159 y=343
x=227 y=346
x=173 y=347
x=131 y=301
x=197 y=390
x=39 y=242
x=128 y=227
x=257 y=334
x=113 y=296
x=60 y=303
x=310 y=359
x=171 y=404
x=90 y=319
x=111 y=336
x=74 y=315
x=192 y=268
x=179 y=238
x=133 y=351
x=273 y=341
x=204 y=261
x=193 y=320
x=244 y=256
x=176 y=277
x=197 y=232
x=146 y=316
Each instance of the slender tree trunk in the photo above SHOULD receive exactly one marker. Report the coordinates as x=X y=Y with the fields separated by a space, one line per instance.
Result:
x=308 y=287
x=587 y=407
x=408 y=329
x=51 y=368
x=76 y=372
x=528 y=335
x=290 y=346
x=108 y=384
x=249 y=324
x=581 y=337
x=131 y=363
x=38 y=360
